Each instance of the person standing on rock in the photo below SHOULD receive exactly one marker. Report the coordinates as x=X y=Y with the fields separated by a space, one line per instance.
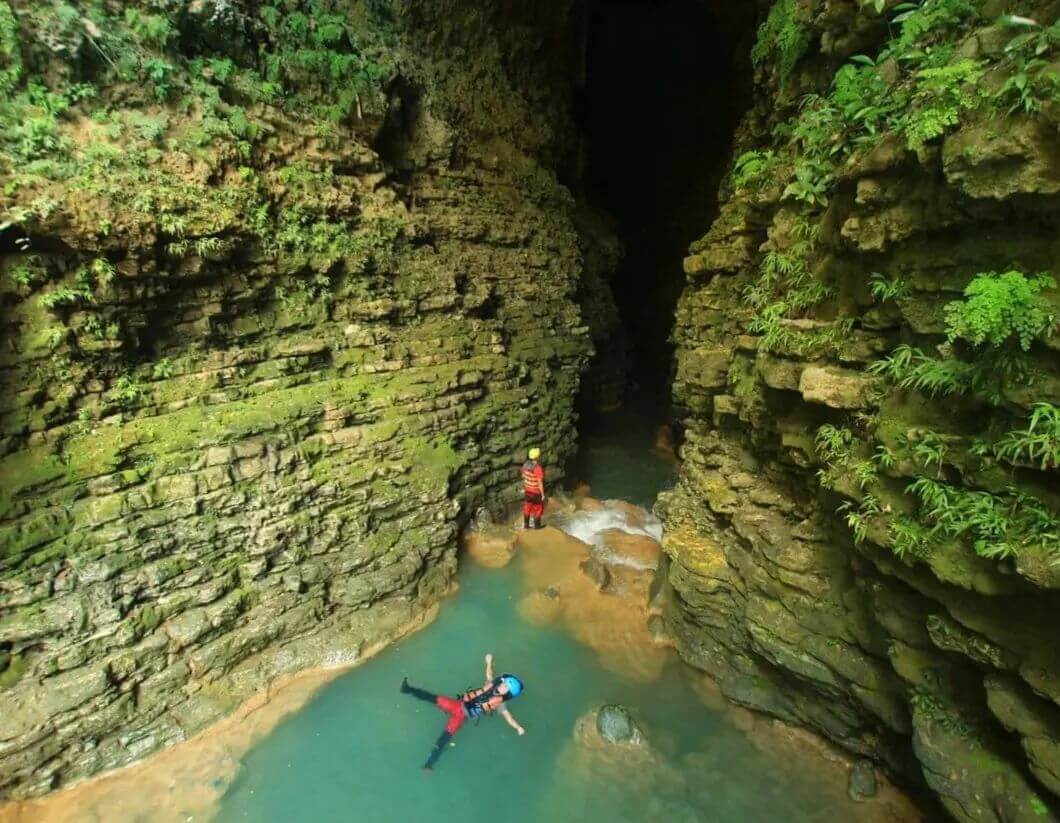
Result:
x=533 y=491
x=473 y=704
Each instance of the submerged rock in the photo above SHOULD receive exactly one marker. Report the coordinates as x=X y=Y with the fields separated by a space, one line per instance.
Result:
x=597 y=572
x=493 y=548
x=616 y=725
x=861 y=783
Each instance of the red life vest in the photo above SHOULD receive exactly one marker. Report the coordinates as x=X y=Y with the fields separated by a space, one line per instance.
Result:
x=533 y=478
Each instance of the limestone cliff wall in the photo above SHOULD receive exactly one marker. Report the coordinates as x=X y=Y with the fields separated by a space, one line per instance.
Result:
x=286 y=290
x=862 y=541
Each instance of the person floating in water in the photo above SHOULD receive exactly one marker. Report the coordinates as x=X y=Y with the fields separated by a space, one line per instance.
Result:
x=472 y=704
x=533 y=491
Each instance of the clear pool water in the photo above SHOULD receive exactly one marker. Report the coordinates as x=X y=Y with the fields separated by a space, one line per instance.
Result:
x=355 y=752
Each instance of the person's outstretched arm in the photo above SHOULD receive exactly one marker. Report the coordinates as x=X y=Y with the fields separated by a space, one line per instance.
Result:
x=489 y=667
x=511 y=721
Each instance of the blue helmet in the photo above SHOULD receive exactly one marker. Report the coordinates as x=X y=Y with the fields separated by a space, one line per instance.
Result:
x=514 y=684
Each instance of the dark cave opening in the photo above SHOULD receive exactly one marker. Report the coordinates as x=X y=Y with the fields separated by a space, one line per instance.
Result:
x=666 y=82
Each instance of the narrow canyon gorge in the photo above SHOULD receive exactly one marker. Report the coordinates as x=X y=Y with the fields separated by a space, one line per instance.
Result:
x=289 y=287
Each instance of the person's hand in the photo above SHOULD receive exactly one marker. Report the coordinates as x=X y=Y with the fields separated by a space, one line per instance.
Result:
x=489 y=658
x=521 y=731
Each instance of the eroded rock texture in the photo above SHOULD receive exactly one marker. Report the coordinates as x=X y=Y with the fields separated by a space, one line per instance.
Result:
x=898 y=634
x=263 y=350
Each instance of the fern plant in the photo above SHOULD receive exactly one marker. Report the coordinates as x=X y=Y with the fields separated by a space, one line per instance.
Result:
x=908 y=538
x=1000 y=309
x=1038 y=445
x=66 y=297
x=866 y=101
x=126 y=391
x=10 y=52
x=920 y=21
x=930 y=450
x=942 y=95
x=1032 y=79
x=782 y=39
x=833 y=443
x=999 y=526
x=858 y=515
x=910 y=368
x=885 y=288
x=753 y=169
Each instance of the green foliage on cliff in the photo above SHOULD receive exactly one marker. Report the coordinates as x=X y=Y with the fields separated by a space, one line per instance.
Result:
x=940 y=96
x=753 y=168
x=915 y=90
x=998 y=320
x=129 y=76
x=1001 y=309
x=885 y=288
x=929 y=18
x=782 y=39
x=1032 y=79
x=910 y=368
x=1037 y=445
x=10 y=52
x=998 y=526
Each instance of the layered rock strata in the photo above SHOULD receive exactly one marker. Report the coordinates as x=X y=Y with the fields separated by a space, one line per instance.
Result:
x=266 y=343
x=853 y=547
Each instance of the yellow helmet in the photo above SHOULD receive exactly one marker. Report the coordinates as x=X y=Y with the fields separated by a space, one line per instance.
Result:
x=535 y=453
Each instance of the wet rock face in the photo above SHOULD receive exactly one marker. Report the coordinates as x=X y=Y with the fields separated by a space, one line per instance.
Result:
x=252 y=384
x=933 y=658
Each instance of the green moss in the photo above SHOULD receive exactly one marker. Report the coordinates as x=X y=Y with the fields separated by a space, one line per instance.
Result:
x=147 y=619
x=12 y=672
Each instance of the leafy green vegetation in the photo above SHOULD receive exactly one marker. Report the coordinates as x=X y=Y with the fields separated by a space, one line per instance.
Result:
x=125 y=391
x=920 y=20
x=884 y=288
x=753 y=168
x=1031 y=80
x=910 y=368
x=66 y=296
x=782 y=39
x=999 y=318
x=319 y=60
x=10 y=52
x=941 y=95
x=915 y=88
x=1002 y=309
x=162 y=370
x=999 y=526
x=1037 y=445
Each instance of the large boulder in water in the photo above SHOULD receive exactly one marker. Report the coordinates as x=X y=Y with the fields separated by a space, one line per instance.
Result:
x=616 y=725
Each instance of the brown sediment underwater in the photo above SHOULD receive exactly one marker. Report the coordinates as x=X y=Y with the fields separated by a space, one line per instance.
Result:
x=613 y=622
x=612 y=619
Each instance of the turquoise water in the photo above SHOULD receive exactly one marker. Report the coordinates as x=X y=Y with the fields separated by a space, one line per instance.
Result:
x=618 y=457
x=355 y=752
